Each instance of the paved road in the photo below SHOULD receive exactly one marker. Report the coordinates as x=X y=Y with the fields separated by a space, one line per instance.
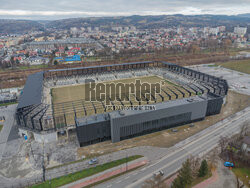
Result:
x=107 y=173
x=8 y=128
x=225 y=179
x=195 y=146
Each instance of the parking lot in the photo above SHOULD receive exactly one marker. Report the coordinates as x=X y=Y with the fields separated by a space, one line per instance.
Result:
x=237 y=81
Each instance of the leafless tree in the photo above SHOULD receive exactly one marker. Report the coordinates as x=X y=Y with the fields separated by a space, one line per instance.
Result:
x=245 y=129
x=213 y=158
x=238 y=183
x=195 y=165
x=223 y=143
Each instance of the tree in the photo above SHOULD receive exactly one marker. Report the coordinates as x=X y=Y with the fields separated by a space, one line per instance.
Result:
x=194 y=165
x=244 y=129
x=185 y=176
x=226 y=43
x=193 y=49
x=203 y=169
x=223 y=143
x=212 y=44
x=177 y=183
x=213 y=158
x=55 y=63
x=17 y=62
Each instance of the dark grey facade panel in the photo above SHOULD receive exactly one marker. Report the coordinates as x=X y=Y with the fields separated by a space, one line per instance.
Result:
x=214 y=104
x=32 y=92
x=197 y=110
x=93 y=132
x=133 y=123
x=151 y=126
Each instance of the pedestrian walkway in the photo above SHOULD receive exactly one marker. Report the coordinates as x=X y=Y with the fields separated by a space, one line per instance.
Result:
x=107 y=174
x=208 y=181
x=170 y=180
x=8 y=112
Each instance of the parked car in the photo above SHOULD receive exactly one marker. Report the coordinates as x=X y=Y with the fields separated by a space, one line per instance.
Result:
x=93 y=161
x=228 y=164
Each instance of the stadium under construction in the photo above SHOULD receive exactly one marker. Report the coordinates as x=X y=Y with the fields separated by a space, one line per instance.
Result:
x=53 y=102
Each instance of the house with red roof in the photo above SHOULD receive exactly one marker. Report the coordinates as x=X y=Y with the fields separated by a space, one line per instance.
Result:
x=70 y=53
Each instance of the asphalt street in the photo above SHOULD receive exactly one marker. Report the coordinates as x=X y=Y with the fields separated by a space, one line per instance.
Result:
x=172 y=161
x=8 y=129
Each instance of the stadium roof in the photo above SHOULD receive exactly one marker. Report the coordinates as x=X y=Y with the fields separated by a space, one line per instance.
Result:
x=32 y=92
x=92 y=119
x=78 y=68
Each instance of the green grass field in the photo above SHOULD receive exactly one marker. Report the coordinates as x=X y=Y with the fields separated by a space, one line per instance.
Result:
x=240 y=65
x=72 y=98
x=1 y=126
x=9 y=103
x=77 y=92
x=243 y=174
x=57 y=182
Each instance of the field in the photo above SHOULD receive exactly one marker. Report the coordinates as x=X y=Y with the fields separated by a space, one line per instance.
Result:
x=239 y=65
x=7 y=104
x=72 y=98
x=1 y=126
x=243 y=173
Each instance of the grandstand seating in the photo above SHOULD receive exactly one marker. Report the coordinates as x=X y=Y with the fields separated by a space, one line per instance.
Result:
x=189 y=87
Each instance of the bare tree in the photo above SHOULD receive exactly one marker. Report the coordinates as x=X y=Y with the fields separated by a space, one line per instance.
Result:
x=213 y=158
x=245 y=129
x=223 y=143
x=195 y=165
x=238 y=183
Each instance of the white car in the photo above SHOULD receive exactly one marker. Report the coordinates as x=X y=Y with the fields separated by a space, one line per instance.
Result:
x=161 y=173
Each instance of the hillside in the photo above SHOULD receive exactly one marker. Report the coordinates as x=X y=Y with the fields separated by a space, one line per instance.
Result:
x=144 y=22
x=151 y=21
x=19 y=26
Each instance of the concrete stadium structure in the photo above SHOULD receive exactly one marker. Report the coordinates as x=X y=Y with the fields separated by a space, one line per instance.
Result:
x=36 y=115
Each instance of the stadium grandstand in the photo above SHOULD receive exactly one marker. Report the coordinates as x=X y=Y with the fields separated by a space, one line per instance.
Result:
x=54 y=101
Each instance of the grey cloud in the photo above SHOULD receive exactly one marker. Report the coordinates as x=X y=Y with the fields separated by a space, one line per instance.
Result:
x=78 y=8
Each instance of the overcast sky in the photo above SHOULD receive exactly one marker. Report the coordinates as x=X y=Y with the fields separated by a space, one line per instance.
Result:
x=56 y=9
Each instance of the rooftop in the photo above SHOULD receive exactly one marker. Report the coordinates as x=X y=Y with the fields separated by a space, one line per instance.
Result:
x=92 y=119
x=63 y=41
x=158 y=106
x=32 y=92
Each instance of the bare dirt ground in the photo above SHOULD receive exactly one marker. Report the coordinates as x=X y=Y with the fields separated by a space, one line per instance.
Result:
x=235 y=102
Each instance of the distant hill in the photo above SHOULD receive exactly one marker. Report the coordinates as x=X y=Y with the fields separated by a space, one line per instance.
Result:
x=19 y=26
x=23 y=26
x=151 y=21
x=244 y=15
